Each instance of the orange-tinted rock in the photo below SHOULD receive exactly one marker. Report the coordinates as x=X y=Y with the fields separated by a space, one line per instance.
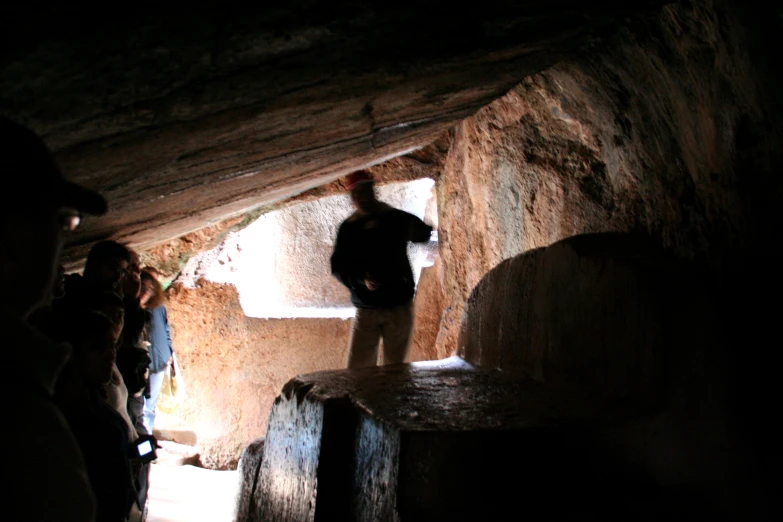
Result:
x=234 y=366
x=427 y=309
x=170 y=257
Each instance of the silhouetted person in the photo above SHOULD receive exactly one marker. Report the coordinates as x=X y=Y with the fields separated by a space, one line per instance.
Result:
x=102 y=432
x=112 y=306
x=43 y=474
x=133 y=356
x=133 y=361
x=105 y=270
x=152 y=299
x=371 y=259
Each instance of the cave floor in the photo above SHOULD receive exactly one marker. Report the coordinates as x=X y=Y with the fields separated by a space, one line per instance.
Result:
x=192 y=494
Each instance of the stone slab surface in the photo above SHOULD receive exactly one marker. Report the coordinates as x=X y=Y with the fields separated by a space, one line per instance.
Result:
x=434 y=442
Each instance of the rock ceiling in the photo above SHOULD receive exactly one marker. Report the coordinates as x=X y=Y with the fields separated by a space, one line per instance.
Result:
x=185 y=116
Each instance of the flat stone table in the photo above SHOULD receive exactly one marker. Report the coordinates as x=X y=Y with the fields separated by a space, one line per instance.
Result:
x=439 y=441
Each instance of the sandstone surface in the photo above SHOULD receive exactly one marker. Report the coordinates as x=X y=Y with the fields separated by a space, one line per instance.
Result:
x=234 y=366
x=171 y=257
x=428 y=310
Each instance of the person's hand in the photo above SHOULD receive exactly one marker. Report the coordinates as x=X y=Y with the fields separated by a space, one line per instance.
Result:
x=371 y=283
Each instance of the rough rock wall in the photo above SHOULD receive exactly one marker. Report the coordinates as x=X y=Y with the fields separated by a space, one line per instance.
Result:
x=671 y=128
x=428 y=311
x=234 y=366
x=170 y=257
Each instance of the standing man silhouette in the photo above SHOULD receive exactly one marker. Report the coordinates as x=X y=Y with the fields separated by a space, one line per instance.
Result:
x=370 y=258
x=43 y=473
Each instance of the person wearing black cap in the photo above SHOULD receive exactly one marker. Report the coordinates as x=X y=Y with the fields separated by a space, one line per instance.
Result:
x=370 y=258
x=43 y=472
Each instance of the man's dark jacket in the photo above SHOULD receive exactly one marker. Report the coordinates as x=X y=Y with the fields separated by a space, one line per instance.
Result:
x=374 y=246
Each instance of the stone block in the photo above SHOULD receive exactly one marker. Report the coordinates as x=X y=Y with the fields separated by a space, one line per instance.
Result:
x=609 y=311
x=430 y=443
x=249 y=468
x=187 y=437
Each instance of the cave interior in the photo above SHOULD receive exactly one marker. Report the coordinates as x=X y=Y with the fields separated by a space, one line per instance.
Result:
x=601 y=317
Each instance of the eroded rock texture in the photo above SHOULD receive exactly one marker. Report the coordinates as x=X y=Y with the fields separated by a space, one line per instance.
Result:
x=185 y=116
x=428 y=311
x=671 y=127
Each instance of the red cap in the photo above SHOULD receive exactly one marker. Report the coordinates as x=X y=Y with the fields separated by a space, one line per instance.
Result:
x=355 y=179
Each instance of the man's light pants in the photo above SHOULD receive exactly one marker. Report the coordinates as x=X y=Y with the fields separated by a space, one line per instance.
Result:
x=370 y=325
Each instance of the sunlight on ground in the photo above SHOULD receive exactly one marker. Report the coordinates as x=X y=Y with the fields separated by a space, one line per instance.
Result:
x=191 y=494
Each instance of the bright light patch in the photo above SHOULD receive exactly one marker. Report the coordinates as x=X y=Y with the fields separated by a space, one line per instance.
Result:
x=280 y=263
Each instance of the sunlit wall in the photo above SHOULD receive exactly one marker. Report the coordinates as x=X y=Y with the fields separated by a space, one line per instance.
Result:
x=280 y=263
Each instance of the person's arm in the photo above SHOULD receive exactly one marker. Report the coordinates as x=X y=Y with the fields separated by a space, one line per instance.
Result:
x=418 y=230
x=342 y=262
x=168 y=329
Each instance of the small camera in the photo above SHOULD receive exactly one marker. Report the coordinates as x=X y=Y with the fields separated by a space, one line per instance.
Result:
x=144 y=448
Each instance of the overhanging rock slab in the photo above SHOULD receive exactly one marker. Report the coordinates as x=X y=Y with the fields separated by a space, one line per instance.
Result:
x=189 y=116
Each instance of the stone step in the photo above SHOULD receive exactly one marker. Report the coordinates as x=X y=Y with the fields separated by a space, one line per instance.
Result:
x=174 y=454
x=181 y=436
